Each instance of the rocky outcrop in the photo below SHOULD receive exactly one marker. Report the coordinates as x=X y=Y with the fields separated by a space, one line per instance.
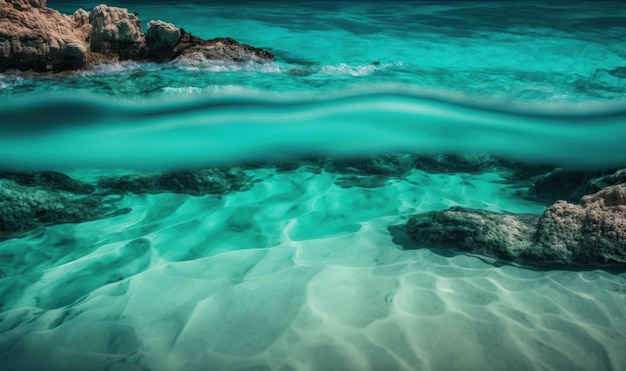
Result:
x=115 y=31
x=34 y=37
x=194 y=182
x=593 y=231
x=24 y=208
x=505 y=236
x=162 y=39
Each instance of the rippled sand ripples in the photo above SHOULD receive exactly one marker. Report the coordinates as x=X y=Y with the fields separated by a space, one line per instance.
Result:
x=286 y=275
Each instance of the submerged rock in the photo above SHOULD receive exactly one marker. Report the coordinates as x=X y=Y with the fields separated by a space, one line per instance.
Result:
x=24 y=208
x=34 y=37
x=50 y=180
x=400 y=164
x=506 y=236
x=194 y=182
x=571 y=185
x=594 y=231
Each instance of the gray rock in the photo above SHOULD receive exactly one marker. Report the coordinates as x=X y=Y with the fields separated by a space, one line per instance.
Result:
x=592 y=232
x=115 y=30
x=505 y=236
x=161 y=39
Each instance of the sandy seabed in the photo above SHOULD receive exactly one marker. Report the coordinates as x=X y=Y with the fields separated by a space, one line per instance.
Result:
x=302 y=270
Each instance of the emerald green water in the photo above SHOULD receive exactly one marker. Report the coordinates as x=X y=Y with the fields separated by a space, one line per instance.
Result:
x=301 y=269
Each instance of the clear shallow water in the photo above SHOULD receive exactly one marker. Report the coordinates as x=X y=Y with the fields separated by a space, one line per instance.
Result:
x=303 y=270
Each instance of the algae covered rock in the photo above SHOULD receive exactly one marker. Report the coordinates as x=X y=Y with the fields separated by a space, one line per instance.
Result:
x=506 y=236
x=194 y=182
x=24 y=208
x=591 y=232
x=50 y=180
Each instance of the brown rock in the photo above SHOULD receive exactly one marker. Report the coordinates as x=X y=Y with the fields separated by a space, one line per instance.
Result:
x=38 y=38
x=33 y=37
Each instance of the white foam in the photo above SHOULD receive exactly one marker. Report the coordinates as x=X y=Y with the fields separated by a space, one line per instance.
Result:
x=357 y=70
x=199 y=62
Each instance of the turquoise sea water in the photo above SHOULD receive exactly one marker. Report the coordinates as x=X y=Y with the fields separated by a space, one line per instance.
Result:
x=301 y=269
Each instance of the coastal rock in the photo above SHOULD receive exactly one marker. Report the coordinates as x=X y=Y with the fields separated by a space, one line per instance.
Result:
x=594 y=231
x=162 y=39
x=24 y=208
x=115 y=30
x=33 y=37
x=194 y=182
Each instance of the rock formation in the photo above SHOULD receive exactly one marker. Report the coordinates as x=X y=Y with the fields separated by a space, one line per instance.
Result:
x=30 y=199
x=34 y=37
x=24 y=208
x=593 y=231
x=194 y=182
